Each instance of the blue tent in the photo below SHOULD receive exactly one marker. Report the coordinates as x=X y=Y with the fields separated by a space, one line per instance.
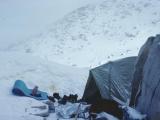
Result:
x=21 y=89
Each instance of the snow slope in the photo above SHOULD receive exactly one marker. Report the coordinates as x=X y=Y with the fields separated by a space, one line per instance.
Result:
x=95 y=34
x=22 y=19
x=50 y=77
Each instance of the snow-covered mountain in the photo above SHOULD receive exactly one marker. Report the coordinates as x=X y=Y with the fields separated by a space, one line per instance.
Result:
x=97 y=33
x=21 y=20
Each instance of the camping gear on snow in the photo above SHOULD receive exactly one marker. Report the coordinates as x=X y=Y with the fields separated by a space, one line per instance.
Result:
x=132 y=114
x=21 y=89
x=51 y=98
x=51 y=106
x=40 y=107
x=110 y=80
x=57 y=96
x=43 y=114
x=72 y=110
x=71 y=98
x=105 y=116
x=108 y=106
x=40 y=110
x=35 y=92
x=147 y=94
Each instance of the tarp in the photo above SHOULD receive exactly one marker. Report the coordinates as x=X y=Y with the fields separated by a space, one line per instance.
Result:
x=110 y=80
x=70 y=109
x=21 y=89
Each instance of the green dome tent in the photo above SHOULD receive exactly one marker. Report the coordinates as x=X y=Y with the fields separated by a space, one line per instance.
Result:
x=109 y=81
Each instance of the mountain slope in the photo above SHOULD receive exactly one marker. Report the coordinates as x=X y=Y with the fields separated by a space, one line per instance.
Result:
x=95 y=34
x=21 y=19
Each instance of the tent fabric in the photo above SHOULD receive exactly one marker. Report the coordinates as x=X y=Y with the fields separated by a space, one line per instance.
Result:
x=110 y=80
x=138 y=73
x=148 y=101
x=21 y=89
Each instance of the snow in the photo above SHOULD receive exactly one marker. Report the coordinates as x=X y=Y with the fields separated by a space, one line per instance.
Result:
x=50 y=77
x=21 y=20
x=97 y=33
x=46 y=43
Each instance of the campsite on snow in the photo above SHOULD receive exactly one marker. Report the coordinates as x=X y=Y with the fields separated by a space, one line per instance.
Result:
x=79 y=60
